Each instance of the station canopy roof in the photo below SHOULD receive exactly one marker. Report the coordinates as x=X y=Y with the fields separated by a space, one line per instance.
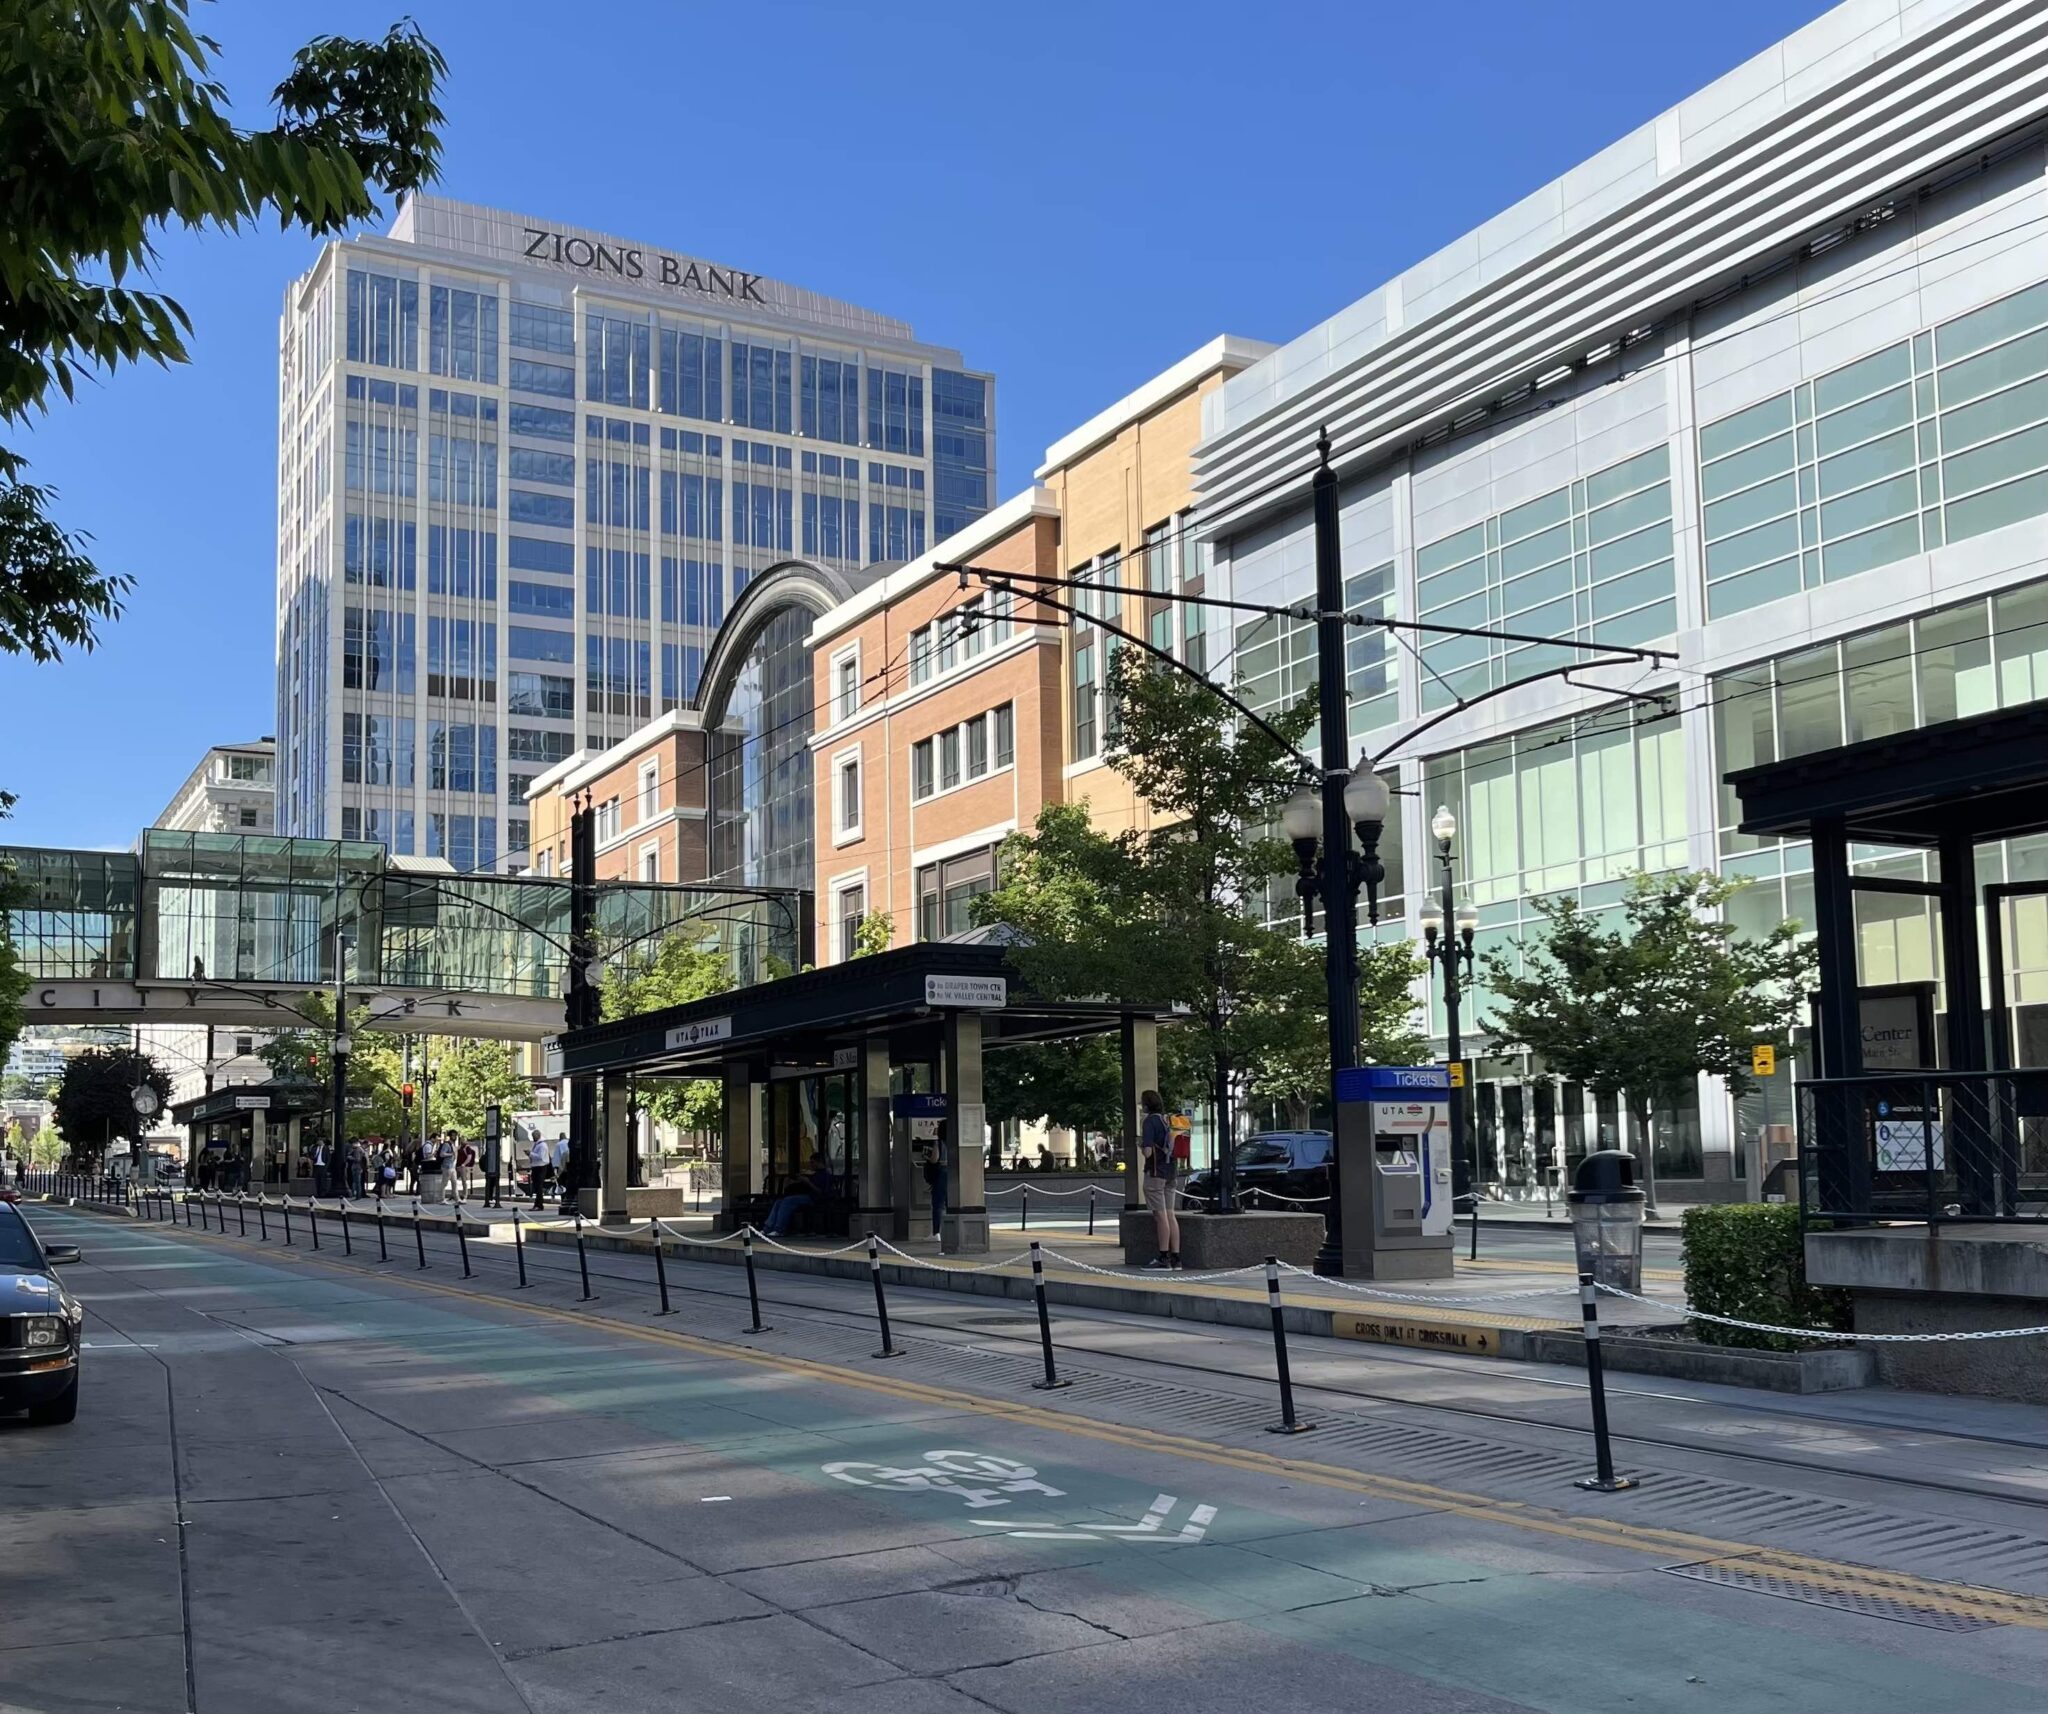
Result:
x=816 y=1020
x=1986 y=776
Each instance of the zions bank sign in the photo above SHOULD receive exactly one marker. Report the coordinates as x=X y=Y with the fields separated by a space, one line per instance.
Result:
x=588 y=256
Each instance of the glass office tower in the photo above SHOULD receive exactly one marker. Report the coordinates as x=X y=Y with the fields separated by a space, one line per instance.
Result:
x=523 y=471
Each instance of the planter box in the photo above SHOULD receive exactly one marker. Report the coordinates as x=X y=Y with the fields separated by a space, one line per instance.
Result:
x=1210 y=1243
x=1828 y=1371
x=663 y=1201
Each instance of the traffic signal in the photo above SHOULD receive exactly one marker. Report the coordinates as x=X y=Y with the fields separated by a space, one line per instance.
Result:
x=313 y=1063
x=405 y=1093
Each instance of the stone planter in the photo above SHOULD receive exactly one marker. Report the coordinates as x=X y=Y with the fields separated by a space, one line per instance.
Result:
x=1211 y=1243
x=663 y=1201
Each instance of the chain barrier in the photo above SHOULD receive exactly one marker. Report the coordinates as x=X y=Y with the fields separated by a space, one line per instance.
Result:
x=1690 y=1314
x=1047 y=1190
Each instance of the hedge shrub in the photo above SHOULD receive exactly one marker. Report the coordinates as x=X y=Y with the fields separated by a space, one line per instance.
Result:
x=1749 y=1260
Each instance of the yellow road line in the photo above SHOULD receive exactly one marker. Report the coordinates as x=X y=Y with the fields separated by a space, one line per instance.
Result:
x=1961 y=1600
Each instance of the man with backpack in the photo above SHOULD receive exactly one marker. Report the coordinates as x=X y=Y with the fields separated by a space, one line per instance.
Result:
x=1155 y=1150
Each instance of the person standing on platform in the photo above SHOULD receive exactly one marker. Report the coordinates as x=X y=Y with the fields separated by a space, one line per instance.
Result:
x=1155 y=1148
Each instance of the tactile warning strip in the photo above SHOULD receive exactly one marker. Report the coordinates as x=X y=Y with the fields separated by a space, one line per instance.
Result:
x=1963 y=1615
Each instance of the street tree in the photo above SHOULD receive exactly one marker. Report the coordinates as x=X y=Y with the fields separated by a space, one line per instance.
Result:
x=1169 y=912
x=376 y=1069
x=112 y=129
x=96 y=1098
x=471 y=1075
x=1639 y=1008
x=673 y=972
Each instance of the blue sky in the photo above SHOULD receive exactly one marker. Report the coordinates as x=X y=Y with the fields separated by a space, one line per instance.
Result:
x=1073 y=225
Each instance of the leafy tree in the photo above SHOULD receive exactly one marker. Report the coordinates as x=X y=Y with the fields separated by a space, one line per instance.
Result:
x=470 y=1076
x=376 y=1068
x=872 y=934
x=1640 y=1009
x=671 y=973
x=14 y=977
x=1166 y=913
x=96 y=1099
x=111 y=129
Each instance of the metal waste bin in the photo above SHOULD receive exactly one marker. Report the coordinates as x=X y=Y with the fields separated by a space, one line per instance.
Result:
x=1607 y=1219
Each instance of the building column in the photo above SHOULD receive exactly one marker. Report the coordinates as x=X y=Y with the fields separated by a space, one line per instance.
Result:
x=607 y=1198
x=741 y=1165
x=1983 y=1147
x=877 y=1209
x=1140 y=1041
x=966 y=1223
x=259 y=1131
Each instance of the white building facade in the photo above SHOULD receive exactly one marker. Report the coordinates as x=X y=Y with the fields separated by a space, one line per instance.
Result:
x=525 y=469
x=1764 y=385
x=233 y=790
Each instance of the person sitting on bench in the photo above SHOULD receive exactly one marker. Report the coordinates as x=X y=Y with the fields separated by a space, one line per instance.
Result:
x=801 y=1194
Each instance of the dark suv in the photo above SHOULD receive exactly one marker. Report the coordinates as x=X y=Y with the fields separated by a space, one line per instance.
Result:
x=39 y=1325
x=1279 y=1163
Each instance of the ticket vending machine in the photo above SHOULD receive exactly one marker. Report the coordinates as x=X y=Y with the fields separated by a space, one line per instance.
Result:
x=1394 y=1171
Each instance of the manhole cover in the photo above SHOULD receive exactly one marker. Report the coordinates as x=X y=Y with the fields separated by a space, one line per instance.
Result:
x=1869 y=1603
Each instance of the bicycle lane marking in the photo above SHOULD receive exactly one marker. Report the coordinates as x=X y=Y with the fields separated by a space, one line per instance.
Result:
x=1835 y=1576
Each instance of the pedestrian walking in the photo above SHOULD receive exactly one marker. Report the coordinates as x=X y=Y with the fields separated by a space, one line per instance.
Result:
x=1155 y=1146
x=465 y=1165
x=358 y=1164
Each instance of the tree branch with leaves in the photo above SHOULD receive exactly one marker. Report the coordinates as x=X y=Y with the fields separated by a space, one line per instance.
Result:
x=111 y=130
x=1640 y=1008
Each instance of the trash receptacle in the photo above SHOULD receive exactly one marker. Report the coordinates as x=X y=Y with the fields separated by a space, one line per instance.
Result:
x=1607 y=1219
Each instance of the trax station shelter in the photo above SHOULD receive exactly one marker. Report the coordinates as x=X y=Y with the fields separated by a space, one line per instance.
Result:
x=260 y=1123
x=1932 y=1099
x=872 y=1065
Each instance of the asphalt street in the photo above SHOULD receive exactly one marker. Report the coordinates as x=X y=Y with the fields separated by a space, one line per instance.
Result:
x=319 y=1482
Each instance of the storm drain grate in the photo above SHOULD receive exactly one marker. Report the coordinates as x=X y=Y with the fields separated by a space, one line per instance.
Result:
x=1817 y=1594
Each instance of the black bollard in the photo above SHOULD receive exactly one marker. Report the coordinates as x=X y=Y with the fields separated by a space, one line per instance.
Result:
x=881 y=1303
x=582 y=1261
x=660 y=1267
x=419 y=1240
x=348 y=1244
x=203 y=1226
x=285 y=1202
x=263 y=1216
x=1091 y=1211
x=1475 y=1226
x=462 y=1240
x=1287 y=1423
x=313 y=1220
x=1052 y=1379
x=188 y=1210
x=241 y=1213
x=383 y=1249
x=1605 y=1481
x=753 y=1290
x=518 y=1248
x=1024 y=1209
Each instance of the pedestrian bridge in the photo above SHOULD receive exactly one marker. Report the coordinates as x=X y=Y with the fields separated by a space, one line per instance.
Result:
x=237 y=928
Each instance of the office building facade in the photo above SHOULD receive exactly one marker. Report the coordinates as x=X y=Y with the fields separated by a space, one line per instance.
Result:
x=528 y=471
x=1763 y=386
x=233 y=790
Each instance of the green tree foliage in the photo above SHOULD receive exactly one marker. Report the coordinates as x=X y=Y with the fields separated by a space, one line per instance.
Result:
x=376 y=1066
x=112 y=129
x=470 y=1076
x=872 y=934
x=96 y=1099
x=1166 y=914
x=14 y=976
x=1640 y=1008
x=672 y=973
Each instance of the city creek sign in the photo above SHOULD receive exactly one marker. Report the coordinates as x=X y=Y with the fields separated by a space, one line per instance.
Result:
x=591 y=257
